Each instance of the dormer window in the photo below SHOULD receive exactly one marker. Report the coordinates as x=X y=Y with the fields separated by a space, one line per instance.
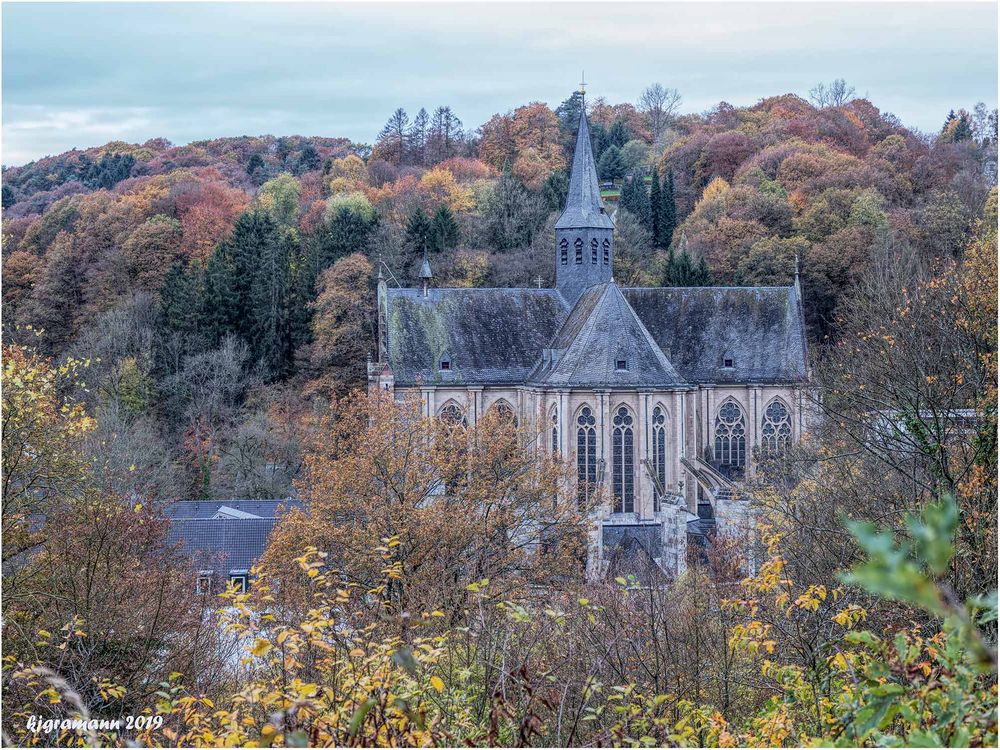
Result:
x=445 y=363
x=240 y=581
x=621 y=364
x=727 y=362
x=204 y=583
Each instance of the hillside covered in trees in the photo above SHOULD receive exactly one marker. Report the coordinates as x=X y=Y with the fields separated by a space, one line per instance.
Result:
x=193 y=321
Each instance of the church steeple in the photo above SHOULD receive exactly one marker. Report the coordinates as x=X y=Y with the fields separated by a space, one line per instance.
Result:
x=584 y=231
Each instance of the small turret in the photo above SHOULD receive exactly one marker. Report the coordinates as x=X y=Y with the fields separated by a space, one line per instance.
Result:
x=425 y=274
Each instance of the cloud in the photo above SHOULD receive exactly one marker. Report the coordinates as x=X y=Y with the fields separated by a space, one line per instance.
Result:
x=84 y=73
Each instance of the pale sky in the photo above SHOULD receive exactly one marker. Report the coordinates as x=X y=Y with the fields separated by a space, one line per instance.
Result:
x=82 y=74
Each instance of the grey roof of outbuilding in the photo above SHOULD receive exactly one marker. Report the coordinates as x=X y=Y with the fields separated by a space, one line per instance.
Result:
x=601 y=330
x=222 y=545
x=206 y=509
x=225 y=544
x=760 y=328
x=584 y=207
x=492 y=336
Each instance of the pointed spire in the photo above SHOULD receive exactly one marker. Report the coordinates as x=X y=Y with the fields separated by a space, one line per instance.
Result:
x=584 y=207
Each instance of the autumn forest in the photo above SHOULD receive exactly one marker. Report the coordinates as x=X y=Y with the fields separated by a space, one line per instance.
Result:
x=194 y=322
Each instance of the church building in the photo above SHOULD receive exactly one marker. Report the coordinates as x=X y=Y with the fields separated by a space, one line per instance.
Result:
x=667 y=396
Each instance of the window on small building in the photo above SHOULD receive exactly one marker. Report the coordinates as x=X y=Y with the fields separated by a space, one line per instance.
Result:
x=445 y=363
x=204 y=583
x=621 y=364
x=241 y=581
x=564 y=251
x=593 y=251
x=578 y=246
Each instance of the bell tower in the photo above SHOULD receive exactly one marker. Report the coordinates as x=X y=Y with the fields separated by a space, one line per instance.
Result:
x=584 y=231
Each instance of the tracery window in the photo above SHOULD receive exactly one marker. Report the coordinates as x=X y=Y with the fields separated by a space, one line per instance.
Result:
x=593 y=251
x=586 y=454
x=659 y=455
x=505 y=411
x=730 y=437
x=623 y=460
x=452 y=415
x=607 y=252
x=776 y=431
x=564 y=251
x=554 y=420
x=578 y=245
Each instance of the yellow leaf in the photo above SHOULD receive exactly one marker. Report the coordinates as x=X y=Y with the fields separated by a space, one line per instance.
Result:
x=438 y=683
x=261 y=647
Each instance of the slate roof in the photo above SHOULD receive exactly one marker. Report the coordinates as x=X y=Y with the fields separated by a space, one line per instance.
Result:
x=492 y=336
x=671 y=336
x=221 y=545
x=761 y=328
x=584 y=207
x=601 y=330
x=224 y=544
x=206 y=509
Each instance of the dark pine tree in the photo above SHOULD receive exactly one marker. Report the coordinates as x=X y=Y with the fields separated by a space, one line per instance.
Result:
x=611 y=166
x=180 y=300
x=668 y=213
x=635 y=199
x=418 y=232
x=444 y=230
x=618 y=134
x=554 y=190
x=656 y=209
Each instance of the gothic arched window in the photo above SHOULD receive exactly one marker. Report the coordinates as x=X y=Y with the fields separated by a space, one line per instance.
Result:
x=451 y=414
x=578 y=245
x=564 y=251
x=623 y=459
x=505 y=411
x=554 y=422
x=586 y=453
x=607 y=252
x=593 y=251
x=776 y=431
x=730 y=437
x=659 y=454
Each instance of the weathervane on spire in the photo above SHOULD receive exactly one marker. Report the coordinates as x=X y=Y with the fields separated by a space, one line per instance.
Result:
x=583 y=83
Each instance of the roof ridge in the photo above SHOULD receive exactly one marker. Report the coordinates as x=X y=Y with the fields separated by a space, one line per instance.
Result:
x=665 y=362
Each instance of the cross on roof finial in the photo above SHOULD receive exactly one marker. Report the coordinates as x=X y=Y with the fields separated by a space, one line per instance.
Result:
x=583 y=83
x=539 y=280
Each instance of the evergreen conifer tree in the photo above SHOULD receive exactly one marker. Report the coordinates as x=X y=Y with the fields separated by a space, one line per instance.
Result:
x=611 y=166
x=656 y=209
x=668 y=213
x=418 y=232
x=443 y=230
x=635 y=199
